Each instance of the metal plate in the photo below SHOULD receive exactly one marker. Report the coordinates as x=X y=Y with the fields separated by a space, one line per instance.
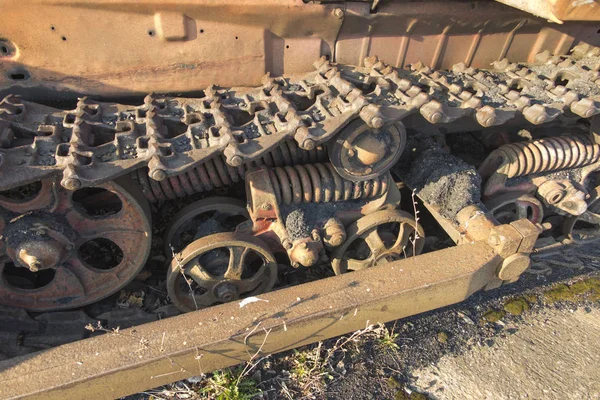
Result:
x=164 y=351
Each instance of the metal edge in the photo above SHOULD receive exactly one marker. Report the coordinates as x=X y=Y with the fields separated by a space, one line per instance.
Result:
x=121 y=363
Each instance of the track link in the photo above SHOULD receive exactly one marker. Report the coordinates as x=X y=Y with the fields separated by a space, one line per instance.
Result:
x=96 y=142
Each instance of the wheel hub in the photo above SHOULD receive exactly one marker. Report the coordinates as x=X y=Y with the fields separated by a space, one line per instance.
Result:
x=31 y=242
x=370 y=149
x=63 y=249
x=226 y=291
x=360 y=153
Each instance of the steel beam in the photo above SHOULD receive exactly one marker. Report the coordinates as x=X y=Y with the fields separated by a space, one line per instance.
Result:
x=150 y=355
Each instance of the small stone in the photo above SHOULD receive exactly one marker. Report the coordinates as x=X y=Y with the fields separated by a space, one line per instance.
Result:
x=442 y=337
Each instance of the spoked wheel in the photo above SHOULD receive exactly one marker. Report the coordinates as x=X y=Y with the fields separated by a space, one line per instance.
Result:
x=512 y=207
x=202 y=218
x=381 y=237
x=220 y=268
x=361 y=153
x=63 y=249
x=585 y=228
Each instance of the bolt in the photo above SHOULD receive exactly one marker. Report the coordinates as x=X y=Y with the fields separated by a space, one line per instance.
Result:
x=35 y=266
x=266 y=206
x=158 y=174
x=71 y=183
x=338 y=13
x=490 y=121
x=377 y=122
x=308 y=144
x=435 y=118
x=287 y=244
x=351 y=152
x=368 y=170
x=315 y=235
x=236 y=161
x=494 y=240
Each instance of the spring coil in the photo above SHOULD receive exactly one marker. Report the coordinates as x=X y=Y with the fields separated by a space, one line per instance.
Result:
x=216 y=173
x=543 y=155
x=320 y=183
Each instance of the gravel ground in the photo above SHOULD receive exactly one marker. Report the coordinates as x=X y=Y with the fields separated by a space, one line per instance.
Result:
x=530 y=338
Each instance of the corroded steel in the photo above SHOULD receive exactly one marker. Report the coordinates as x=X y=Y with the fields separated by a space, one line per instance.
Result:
x=216 y=173
x=380 y=242
x=559 y=10
x=220 y=268
x=67 y=237
x=320 y=183
x=118 y=48
x=98 y=141
x=221 y=214
x=201 y=341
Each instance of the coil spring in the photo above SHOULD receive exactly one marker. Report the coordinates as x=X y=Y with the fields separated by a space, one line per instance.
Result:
x=216 y=173
x=320 y=183
x=543 y=155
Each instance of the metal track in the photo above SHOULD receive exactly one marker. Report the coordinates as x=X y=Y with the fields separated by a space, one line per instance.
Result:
x=97 y=141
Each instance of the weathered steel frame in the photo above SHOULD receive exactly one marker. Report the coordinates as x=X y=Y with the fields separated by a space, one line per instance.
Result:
x=132 y=360
x=52 y=49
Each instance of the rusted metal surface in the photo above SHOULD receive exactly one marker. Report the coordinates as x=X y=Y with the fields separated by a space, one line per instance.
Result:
x=538 y=156
x=544 y=181
x=223 y=214
x=382 y=236
x=215 y=173
x=198 y=342
x=559 y=10
x=305 y=238
x=64 y=249
x=98 y=141
x=441 y=34
x=118 y=48
x=220 y=268
x=320 y=183
x=585 y=227
x=359 y=151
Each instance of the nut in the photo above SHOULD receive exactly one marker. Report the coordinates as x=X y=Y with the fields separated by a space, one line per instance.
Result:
x=236 y=161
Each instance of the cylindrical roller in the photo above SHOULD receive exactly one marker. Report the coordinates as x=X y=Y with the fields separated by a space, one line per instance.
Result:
x=216 y=173
x=320 y=183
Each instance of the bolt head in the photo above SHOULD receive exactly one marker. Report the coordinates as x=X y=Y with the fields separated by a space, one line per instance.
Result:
x=435 y=118
x=338 y=13
x=494 y=240
x=377 y=122
x=308 y=144
x=158 y=175
x=236 y=161
x=71 y=183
